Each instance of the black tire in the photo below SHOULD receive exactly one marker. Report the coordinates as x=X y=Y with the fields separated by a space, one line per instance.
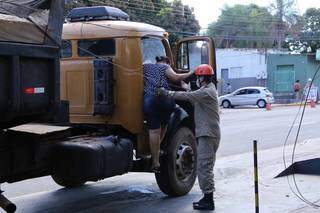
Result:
x=179 y=164
x=65 y=182
x=226 y=104
x=261 y=103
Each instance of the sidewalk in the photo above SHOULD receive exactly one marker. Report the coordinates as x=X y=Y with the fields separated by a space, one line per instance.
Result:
x=235 y=188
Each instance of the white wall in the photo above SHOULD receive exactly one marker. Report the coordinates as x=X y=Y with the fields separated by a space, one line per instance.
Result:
x=242 y=63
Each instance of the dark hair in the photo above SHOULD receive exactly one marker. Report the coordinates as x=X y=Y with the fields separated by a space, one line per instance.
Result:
x=163 y=59
x=297 y=81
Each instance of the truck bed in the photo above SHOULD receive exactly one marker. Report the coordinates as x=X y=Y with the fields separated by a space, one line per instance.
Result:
x=12 y=26
x=29 y=83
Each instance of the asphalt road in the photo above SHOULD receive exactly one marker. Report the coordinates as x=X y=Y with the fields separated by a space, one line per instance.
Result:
x=241 y=126
x=139 y=192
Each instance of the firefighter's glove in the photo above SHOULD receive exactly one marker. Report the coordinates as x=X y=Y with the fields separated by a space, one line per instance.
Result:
x=162 y=92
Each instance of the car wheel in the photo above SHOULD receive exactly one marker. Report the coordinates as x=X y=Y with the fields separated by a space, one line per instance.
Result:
x=262 y=104
x=179 y=164
x=226 y=104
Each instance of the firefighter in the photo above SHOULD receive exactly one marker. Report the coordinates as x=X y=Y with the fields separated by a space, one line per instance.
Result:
x=207 y=121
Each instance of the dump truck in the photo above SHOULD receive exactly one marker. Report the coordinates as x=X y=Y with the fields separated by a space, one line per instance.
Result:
x=97 y=129
x=30 y=39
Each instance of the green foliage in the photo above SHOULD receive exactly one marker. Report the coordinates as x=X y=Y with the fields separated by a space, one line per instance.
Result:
x=306 y=36
x=174 y=17
x=243 y=26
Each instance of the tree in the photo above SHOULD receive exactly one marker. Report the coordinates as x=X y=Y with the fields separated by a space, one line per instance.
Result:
x=286 y=16
x=179 y=20
x=308 y=37
x=243 y=26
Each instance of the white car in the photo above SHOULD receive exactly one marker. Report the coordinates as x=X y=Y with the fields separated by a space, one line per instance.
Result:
x=259 y=96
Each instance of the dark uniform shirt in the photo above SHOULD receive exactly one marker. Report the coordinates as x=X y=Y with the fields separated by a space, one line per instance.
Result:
x=206 y=109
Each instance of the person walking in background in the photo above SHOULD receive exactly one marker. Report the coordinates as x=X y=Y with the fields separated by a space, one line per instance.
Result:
x=306 y=88
x=207 y=122
x=297 y=90
x=229 y=88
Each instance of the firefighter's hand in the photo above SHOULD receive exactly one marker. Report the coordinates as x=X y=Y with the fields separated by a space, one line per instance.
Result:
x=162 y=92
x=185 y=86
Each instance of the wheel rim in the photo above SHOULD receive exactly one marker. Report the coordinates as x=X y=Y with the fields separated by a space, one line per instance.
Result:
x=185 y=161
x=261 y=104
x=226 y=104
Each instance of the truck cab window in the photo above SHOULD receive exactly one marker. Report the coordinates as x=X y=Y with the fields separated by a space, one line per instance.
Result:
x=102 y=47
x=151 y=48
x=191 y=54
x=66 y=49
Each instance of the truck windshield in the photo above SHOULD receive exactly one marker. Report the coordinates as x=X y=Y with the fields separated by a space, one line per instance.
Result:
x=151 y=48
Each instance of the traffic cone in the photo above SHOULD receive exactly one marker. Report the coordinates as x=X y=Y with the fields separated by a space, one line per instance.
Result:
x=313 y=104
x=268 y=105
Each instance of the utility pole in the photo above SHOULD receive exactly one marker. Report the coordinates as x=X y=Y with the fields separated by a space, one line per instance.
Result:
x=280 y=13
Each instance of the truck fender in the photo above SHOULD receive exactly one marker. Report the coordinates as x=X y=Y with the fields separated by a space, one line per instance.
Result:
x=178 y=118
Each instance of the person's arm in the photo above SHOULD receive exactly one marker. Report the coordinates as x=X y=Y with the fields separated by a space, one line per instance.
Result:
x=195 y=96
x=173 y=76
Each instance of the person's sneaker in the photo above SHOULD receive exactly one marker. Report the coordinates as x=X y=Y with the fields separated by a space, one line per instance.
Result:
x=205 y=203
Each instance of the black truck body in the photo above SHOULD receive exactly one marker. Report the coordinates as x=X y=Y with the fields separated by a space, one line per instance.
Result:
x=30 y=39
x=30 y=72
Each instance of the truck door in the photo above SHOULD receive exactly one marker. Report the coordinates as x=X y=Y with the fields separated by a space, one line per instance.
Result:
x=193 y=51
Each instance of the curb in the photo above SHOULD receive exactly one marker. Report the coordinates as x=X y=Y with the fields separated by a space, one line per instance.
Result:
x=284 y=105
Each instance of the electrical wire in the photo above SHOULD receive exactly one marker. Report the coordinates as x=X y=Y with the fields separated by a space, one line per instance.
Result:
x=303 y=103
x=253 y=37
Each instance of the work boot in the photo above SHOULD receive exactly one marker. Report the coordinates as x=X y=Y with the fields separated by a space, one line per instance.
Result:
x=205 y=203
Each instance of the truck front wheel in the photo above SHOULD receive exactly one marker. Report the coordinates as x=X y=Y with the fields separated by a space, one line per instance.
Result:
x=178 y=164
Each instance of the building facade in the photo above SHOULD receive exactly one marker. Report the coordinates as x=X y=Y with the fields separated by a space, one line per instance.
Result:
x=241 y=68
x=284 y=69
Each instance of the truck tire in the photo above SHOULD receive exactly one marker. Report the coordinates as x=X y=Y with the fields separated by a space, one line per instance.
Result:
x=178 y=164
x=68 y=183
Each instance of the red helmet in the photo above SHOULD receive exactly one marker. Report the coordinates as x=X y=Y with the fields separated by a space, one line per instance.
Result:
x=204 y=69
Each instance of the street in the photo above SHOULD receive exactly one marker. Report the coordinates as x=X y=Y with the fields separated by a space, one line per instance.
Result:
x=139 y=192
x=241 y=126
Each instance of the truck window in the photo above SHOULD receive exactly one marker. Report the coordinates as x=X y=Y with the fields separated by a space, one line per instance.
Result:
x=66 y=49
x=191 y=54
x=151 y=48
x=101 y=47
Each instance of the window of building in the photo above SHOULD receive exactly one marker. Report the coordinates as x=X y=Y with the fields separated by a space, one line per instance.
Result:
x=151 y=48
x=235 y=72
x=66 y=49
x=101 y=47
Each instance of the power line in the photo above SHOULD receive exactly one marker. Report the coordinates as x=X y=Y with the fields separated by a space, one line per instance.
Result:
x=136 y=6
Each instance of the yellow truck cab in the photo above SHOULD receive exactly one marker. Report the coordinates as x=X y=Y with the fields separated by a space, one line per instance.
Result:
x=102 y=61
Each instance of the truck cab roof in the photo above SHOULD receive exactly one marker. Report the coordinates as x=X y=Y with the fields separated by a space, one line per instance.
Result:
x=109 y=28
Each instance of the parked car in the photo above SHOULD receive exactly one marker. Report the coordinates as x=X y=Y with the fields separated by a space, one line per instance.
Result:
x=259 y=96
